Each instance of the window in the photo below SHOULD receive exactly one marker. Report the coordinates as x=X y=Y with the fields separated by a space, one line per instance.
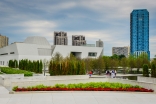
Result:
x=4 y=54
x=12 y=52
x=92 y=54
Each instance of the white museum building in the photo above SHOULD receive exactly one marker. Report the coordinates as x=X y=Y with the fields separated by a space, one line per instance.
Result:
x=38 y=48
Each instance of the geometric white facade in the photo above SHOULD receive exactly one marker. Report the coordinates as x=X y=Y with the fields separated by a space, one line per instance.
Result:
x=38 y=48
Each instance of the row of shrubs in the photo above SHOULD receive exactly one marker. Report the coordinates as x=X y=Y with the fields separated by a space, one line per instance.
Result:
x=153 y=70
x=146 y=70
x=33 y=66
x=66 y=66
x=85 y=85
x=13 y=63
x=25 y=64
x=92 y=86
x=9 y=70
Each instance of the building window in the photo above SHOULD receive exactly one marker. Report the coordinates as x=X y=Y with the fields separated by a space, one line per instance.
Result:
x=12 y=52
x=92 y=54
x=4 y=54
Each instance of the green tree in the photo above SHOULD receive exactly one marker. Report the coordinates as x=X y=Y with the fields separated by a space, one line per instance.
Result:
x=153 y=70
x=107 y=62
x=131 y=62
x=145 y=70
x=121 y=56
x=100 y=65
x=124 y=63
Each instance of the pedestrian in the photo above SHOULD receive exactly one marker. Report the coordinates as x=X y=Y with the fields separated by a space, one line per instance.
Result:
x=112 y=74
x=90 y=73
x=115 y=73
x=107 y=73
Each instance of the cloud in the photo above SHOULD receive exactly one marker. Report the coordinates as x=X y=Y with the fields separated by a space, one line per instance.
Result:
x=108 y=20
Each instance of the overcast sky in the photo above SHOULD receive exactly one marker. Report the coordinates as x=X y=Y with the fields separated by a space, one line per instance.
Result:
x=108 y=20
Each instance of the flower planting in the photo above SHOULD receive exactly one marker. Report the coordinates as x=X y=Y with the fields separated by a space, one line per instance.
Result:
x=92 y=86
x=8 y=70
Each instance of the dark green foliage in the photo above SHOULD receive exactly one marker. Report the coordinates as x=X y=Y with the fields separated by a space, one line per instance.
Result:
x=40 y=66
x=145 y=70
x=25 y=64
x=153 y=70
x=13 y=63
x=8 y=70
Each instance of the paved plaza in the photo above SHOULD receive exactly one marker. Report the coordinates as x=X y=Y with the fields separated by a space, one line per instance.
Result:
x=77 y=97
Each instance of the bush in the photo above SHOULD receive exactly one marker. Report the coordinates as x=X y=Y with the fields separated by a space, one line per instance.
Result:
x=145 y=70
x=33 y=66
x=9 y=70
x=153 y=70
x=13 y=63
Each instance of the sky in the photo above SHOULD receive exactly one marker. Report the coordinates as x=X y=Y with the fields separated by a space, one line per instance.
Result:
x=108 y=20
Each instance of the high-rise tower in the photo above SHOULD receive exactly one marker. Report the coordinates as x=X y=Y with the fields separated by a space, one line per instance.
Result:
x=139 y=32
x=60 y=38
x=78 y=40
x=3 y=41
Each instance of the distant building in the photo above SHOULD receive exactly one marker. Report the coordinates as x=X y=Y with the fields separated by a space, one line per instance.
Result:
x=38 y=48
x=60 y=38
x=120 y=51
x=3 y=41
x=78 y=40
x=99 y=43
x=139 y=32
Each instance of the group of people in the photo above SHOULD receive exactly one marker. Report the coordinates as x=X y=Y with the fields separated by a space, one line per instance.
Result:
x=111 y=73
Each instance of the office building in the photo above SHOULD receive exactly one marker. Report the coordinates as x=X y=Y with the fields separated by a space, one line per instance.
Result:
x=99 y=43
x=60 y=38
x=78 y=40
x=3 y=41
x=120 y=51
x=139 y=32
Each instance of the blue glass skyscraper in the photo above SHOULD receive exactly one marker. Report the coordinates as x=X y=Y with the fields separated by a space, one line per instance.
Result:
x=139 y=32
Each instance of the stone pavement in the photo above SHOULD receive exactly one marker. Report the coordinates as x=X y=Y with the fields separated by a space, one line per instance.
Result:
x=77 y=97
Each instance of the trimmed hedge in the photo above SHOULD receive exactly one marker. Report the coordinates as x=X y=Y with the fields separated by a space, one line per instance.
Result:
x=33 y=66
x=9 y=70
x=153 y=70
x=145 y=70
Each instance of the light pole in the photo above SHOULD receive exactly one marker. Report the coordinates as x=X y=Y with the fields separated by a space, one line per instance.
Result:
x=44 y=65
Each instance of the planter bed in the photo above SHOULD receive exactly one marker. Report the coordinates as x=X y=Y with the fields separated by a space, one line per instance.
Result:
x=86 y=89
x=92 y=86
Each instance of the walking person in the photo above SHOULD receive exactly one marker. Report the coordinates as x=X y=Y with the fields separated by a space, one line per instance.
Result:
x=112 y=74
x=115 y=73
x=90 y=73
x=107 y=73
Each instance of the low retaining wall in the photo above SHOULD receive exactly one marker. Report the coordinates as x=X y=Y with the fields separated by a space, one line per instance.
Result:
x=6 y=79
x=146 y=79
x=67 y=77
x=12 y=76
x=52 y=80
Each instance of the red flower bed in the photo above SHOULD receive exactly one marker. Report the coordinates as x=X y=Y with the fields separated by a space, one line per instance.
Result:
x=85 y=89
